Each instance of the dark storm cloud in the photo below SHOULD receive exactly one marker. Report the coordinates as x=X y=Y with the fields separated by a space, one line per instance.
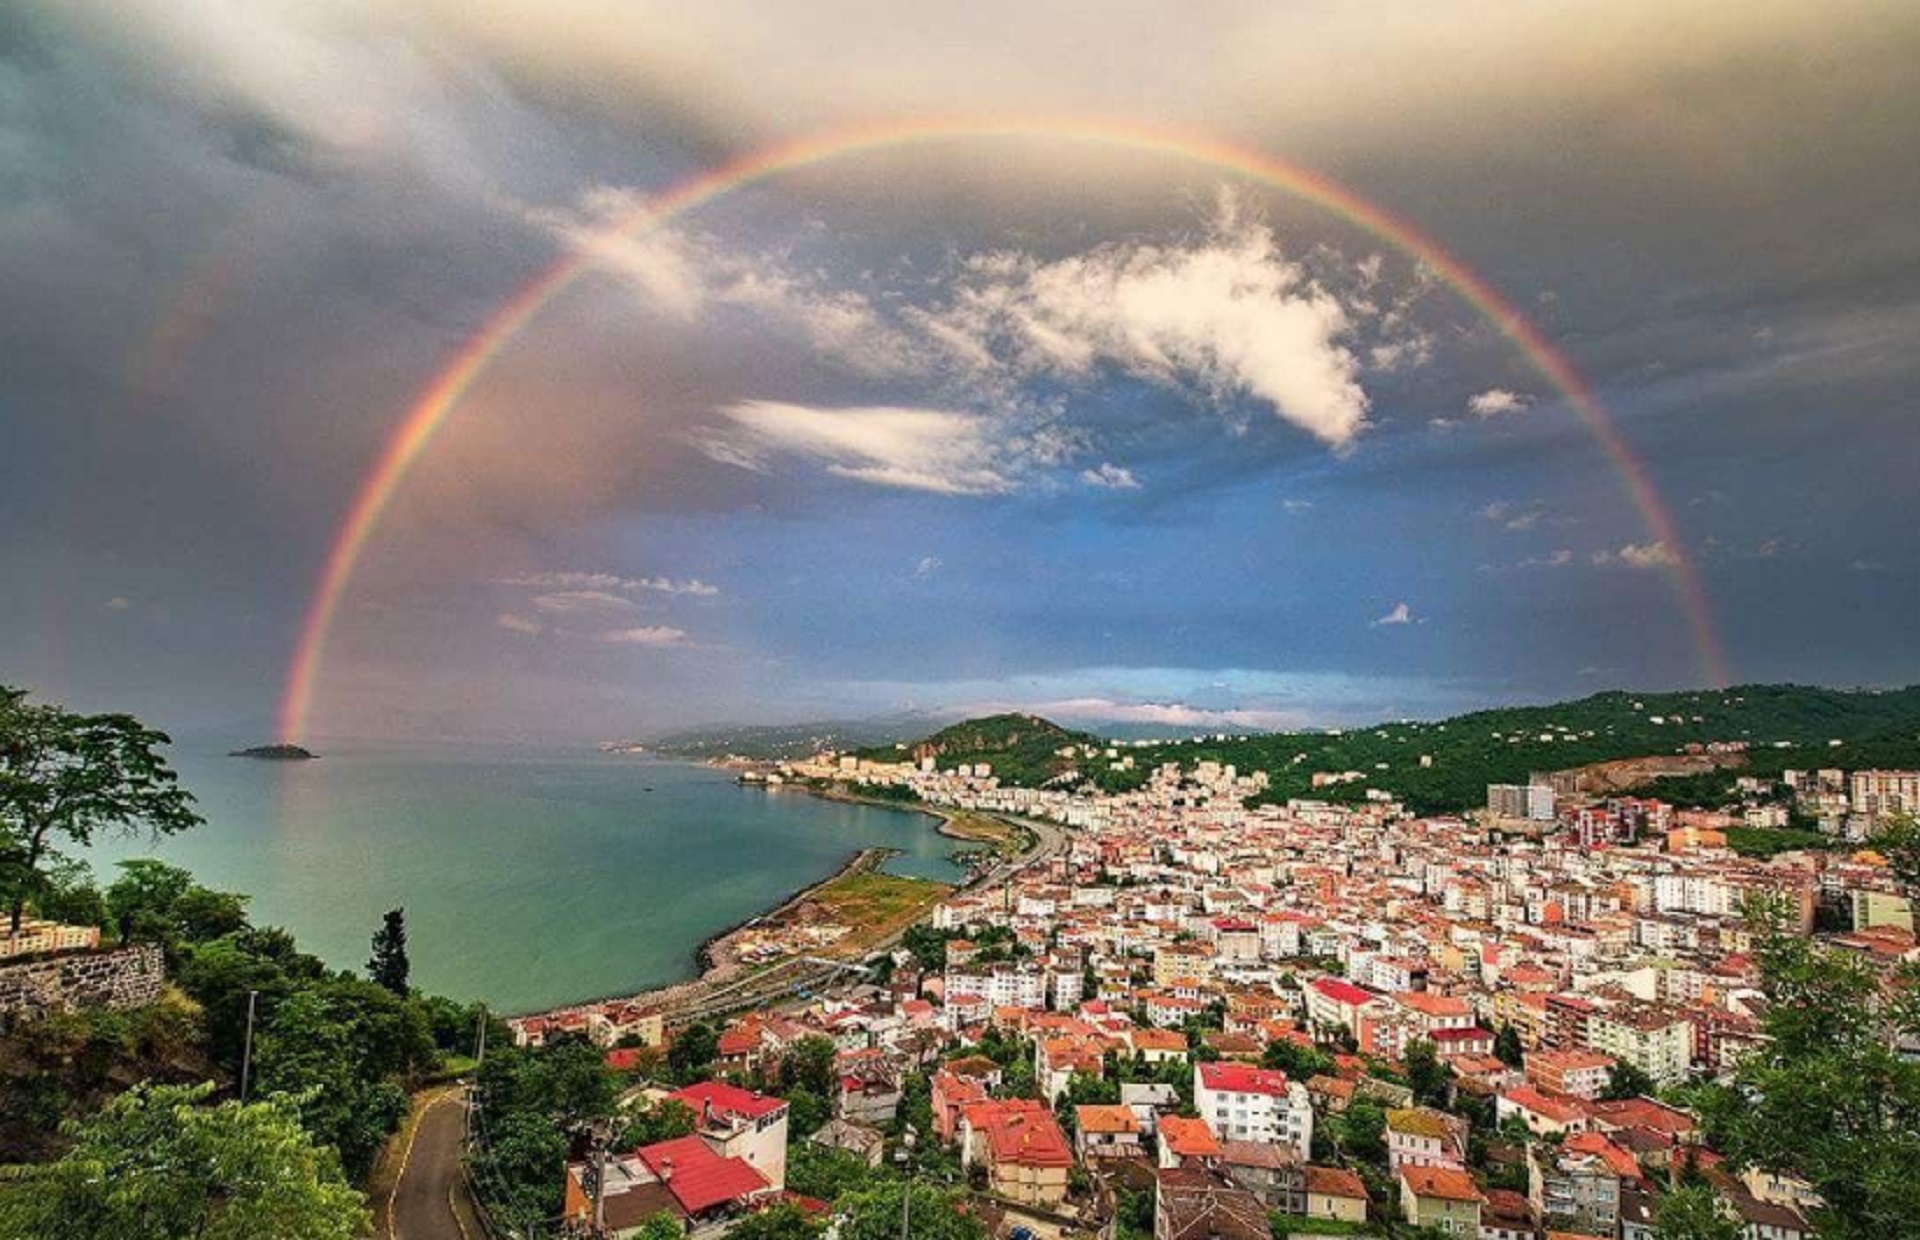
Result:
x=236 y=239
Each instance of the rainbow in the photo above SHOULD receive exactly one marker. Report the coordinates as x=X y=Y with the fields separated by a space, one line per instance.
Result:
x=442 y=395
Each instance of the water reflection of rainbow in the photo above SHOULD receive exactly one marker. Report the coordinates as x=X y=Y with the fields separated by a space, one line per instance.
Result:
x=443 y=393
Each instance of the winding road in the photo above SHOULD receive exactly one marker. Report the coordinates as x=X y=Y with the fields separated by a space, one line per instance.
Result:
x=429 y=1198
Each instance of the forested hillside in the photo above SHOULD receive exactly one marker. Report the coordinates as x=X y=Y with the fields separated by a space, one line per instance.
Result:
x=1783 y=726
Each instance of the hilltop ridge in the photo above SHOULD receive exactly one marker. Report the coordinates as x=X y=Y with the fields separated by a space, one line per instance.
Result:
x=1445 y=765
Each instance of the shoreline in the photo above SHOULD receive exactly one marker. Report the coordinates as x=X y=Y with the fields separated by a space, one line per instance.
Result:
x=712 y=974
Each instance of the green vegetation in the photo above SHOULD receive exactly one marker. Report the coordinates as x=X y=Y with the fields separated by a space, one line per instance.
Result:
x=158 y=1163
x=1827 y=1097
x=65 y=778
x=349 y=1049
x=1769 y=841
x=527 y=1100
x=1468 y=752
x=876 y=904
x=388 y=965
x=1301 y=1225
x=1694 y=1212
x=1021 y=749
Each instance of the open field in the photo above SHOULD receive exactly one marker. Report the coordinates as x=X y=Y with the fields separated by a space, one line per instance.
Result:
x=874 y=906
x=1003 y=837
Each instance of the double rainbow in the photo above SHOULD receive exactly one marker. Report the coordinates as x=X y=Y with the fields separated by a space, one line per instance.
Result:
x=442 y=395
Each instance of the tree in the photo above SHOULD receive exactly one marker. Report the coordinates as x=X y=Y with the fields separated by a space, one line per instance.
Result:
x=157 y=1164
x=66 y=777
x=816 y=1171
x=1507 y=1048
x=388 y=965
x=346 y=1046
x=661 y=1226
x=1627 y=1081
x=874 y=1214
x=1363 y=1131
x=153 y=902
x=1297 y=1061
x=807 y=1112
x=1693 y=1212
x=664 y=1121
x=808 y=1064
x=1826 y=1097
x=520 y=1166
x=1899 y=843
x=1428 y=1078
x=784 y=1221
x=692 y=1052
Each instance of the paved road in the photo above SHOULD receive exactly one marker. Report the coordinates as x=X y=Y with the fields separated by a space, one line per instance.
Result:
x=429 y=1199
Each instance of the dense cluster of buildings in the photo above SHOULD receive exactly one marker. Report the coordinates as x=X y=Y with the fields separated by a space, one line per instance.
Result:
x=1180 y=935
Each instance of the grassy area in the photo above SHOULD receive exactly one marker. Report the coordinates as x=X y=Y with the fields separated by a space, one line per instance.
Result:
x=1003 y=837
x=1300 y=1225
x=1766 y=841
x=877 y=905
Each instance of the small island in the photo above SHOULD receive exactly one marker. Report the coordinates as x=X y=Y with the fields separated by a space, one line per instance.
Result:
x=276 y=753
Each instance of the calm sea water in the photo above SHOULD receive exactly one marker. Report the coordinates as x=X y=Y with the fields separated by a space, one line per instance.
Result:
x=529 y=879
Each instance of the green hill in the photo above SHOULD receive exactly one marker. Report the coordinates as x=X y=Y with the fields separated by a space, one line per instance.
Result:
x=1022 y=749
x=1783 y=725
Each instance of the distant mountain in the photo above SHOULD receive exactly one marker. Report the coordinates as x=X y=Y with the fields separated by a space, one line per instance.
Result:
x=1021 y=749
x=275 y=753
x=783 y=742
x=1784 y=726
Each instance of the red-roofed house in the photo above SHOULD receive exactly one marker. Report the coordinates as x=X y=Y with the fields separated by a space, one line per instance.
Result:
x=741 y=1123
x=1180 y=1139
x=1336 y=1193
x=1026 y=1155
x=1544 y=1114
x=683 y=1177
x=1332 y=1003
x=952 y=1093
x=1244 y=1103
x=1106 y=1132
x=1441 y=1197
x=1578 y=1073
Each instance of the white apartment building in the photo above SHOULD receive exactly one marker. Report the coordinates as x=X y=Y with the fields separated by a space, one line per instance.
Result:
x=1242 y=1103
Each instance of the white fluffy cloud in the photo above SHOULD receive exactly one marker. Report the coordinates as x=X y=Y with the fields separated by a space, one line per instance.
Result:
x=1098 y=710
x=1227 y=316
x=1494 y=402
x=1224 y=317
x=1399 y=613
x=1111 y=477
x=582 y=602
x=683 y=273
x=607 y=582
x=914 y=449
x=659 y=635
x=1654 y=554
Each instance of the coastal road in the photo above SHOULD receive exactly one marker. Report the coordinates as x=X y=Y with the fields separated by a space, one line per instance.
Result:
x=428 y=1200
x=777 y=987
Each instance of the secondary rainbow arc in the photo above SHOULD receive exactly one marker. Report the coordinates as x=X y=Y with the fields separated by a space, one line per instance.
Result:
x=438 y=399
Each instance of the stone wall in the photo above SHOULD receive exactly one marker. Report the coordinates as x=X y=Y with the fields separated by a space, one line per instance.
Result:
x=123 y=978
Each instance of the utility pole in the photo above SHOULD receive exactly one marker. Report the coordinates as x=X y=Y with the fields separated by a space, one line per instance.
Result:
x=601 y=1139
x=904 y=1156
x=246 y=1053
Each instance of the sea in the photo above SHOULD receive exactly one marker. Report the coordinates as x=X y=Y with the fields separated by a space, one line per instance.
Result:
x=531 y=878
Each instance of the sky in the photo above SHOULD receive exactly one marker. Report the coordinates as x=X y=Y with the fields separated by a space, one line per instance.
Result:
x=1001 y=417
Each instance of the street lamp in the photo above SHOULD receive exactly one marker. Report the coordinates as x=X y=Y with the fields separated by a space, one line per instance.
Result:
x=904 y=1156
